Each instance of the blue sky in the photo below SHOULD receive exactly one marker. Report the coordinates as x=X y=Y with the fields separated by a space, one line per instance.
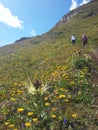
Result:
x=28 y=18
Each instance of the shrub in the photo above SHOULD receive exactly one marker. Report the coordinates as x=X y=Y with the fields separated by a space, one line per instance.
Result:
x=80 y=62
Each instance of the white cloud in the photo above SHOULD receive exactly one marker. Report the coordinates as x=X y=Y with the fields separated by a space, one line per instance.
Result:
x=74 y=4
x=33 y=32
x=84 y=2
x=7 y=18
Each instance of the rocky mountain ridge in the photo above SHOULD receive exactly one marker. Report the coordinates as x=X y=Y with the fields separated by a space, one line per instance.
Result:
x=79 y=11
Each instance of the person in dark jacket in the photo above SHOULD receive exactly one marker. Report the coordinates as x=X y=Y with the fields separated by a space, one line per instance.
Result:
x=84 y=39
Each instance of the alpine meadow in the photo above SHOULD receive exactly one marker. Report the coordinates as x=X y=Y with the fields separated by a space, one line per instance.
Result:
x=46 y=82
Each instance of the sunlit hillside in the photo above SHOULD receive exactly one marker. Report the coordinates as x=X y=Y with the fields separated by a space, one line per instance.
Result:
x=66 y=93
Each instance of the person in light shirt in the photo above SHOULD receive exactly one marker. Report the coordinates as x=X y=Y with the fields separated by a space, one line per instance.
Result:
x=73 y=39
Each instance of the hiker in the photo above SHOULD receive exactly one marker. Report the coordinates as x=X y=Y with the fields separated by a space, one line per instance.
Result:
x=73 y=39
x=84 y=39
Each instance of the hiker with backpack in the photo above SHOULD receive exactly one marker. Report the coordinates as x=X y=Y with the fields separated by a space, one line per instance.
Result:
x=84 y=39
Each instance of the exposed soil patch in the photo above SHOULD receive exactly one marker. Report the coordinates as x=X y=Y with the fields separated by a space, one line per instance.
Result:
x=94 y=76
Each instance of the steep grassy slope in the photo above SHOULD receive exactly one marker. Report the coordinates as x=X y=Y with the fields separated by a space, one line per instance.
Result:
x=67 y=74
x=51 y=43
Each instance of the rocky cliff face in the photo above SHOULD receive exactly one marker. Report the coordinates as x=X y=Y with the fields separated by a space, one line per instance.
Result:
x=68 y=16
x=81 y=10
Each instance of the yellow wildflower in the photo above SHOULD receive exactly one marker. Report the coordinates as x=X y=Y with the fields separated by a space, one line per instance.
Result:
x=47 y=104
x=66 y=100
x=60 y=118
x=69 y=96
x=46 y=98
x=19 y=91
x=74 y=115
x=64 y=75
x=27 y=124
x=11 y=125
x=72 y=82
x=62 y=89
x=79 y=92
x=12 y=99
x=66 y=90
x=20 y=109
x=6 y=123
x=54 y=109
x=62 y=96
x=67 y=77
x=52 y=100
x=56 y=91
x=35 y=119
x=53 y=116
x=30 y=113
x=15 y=84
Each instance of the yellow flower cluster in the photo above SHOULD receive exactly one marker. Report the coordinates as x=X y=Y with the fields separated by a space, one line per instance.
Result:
x=62 y=96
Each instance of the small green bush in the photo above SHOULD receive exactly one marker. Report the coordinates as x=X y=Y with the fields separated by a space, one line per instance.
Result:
x=80 y=62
